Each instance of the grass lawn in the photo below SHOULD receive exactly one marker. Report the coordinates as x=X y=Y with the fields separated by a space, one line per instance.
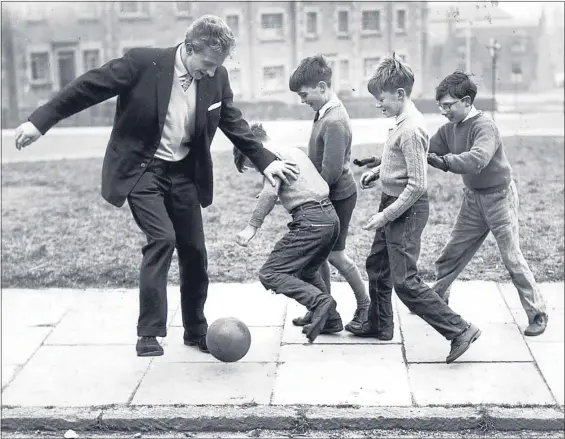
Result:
x=57 y=231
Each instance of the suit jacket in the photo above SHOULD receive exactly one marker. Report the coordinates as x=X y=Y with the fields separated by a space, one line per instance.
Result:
x=142 y=80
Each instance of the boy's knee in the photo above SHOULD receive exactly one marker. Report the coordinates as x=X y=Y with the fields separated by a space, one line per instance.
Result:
x=267 y=277
x=340 y=260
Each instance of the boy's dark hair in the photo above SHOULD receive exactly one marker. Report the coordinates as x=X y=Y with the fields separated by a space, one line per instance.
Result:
x=260 y=133
x=310 y=72
x=390 y=75
x=458 y=84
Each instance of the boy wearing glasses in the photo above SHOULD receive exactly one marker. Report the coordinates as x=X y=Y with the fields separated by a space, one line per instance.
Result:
x=401 y=218
x=471 y=145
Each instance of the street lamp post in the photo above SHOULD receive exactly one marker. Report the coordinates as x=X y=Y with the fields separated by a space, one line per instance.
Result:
x=494 y=48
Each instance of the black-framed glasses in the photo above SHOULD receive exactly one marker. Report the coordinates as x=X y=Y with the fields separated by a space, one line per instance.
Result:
x=447 y=107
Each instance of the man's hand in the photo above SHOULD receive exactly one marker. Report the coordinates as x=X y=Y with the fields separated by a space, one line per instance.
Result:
x=438 y=162
x=368 y=179
x=369 y=161
x=26 y=134
x=245 y=235
x=281 y=169
x=376 y=222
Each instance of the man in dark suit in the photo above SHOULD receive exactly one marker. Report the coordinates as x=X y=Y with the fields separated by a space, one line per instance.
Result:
x=170 y=103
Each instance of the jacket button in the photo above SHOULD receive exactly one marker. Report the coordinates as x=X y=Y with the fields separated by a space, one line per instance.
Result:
x=143 y=165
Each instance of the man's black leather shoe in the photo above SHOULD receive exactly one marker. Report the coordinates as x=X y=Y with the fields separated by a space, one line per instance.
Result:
x=331 y=327
x=197 y=341
x=304 y=320
x=366 y=330
x=148 y=347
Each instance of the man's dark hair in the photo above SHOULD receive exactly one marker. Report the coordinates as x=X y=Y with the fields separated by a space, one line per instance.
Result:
x=310 y=72
x=261 y=135
x=458 y=85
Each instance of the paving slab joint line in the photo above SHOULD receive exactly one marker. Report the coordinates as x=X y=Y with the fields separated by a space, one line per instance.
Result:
x=299 y=419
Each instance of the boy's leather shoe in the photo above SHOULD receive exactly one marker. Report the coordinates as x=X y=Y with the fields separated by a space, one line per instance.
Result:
x=332 y=326
x=148 y=347
x=361 y=315
x=537 y=327
x=320 y=317
x=304 y=320
x=366 y=330
x=462 y=342
x=198 y=341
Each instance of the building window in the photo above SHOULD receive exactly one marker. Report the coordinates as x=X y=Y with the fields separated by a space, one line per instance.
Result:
x=311 y=24
x=273 y=78
x=400 y=21
x=516 y=72
x=235 y=81
x=518 y=46
x=233 y=22
x=370 y=65
x=272 y=26
x=88 y=10
x=343 y=22
x=371 y=21
x=40 y=68
x=91 y=59
x=344 y=71
x=182 y=9
x=134 y=9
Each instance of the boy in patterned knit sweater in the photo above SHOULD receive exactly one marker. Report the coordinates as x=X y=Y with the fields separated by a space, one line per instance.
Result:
x=471 y=145
x=401 y=219
x=330 y=151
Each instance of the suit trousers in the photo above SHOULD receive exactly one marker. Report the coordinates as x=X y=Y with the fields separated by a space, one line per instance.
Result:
x=164 y=204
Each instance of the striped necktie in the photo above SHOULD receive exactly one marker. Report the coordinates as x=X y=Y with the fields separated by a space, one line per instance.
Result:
x=185 y=81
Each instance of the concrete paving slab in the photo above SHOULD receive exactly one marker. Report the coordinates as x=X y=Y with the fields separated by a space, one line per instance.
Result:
x=498 y=342
x=77 y=376
x=102 y=324
x=48 y=308
x=476 y=301
x=250 y=303
x=478 y=383
x=206 y=383
x=346 y=305
x=8 y=372
x=342 y=374
x=550 y=360
x=19 y=343
x=555 y=326
x=265 y=346
x=554 y=294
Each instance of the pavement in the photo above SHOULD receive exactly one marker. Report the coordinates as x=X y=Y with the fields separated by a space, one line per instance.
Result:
x=84 y=142
x=69 y=362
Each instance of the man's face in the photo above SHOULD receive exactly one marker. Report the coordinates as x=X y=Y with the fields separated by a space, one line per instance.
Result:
x=455 y=110
x=389 y=103
x=313 y=96
x=204 y=63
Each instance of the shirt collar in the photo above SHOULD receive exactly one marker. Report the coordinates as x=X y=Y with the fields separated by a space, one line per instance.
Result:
x=180 y=69
x=472 y=113
x=402 y=117
x=334 y=102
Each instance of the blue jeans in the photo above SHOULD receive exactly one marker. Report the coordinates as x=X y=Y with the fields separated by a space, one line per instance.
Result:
x=393 y=262
x=292 y=267
x=479 y=215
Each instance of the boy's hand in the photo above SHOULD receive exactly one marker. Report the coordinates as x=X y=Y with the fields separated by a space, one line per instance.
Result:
x=438 y=162
x=245 y=236
x=374 y=161
x=376 y=222
x=369 y=178
x=281 y=169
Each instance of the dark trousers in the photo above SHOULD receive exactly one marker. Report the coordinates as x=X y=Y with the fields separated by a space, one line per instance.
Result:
x=164 y=204
x=292 y=267
x=393 y=263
